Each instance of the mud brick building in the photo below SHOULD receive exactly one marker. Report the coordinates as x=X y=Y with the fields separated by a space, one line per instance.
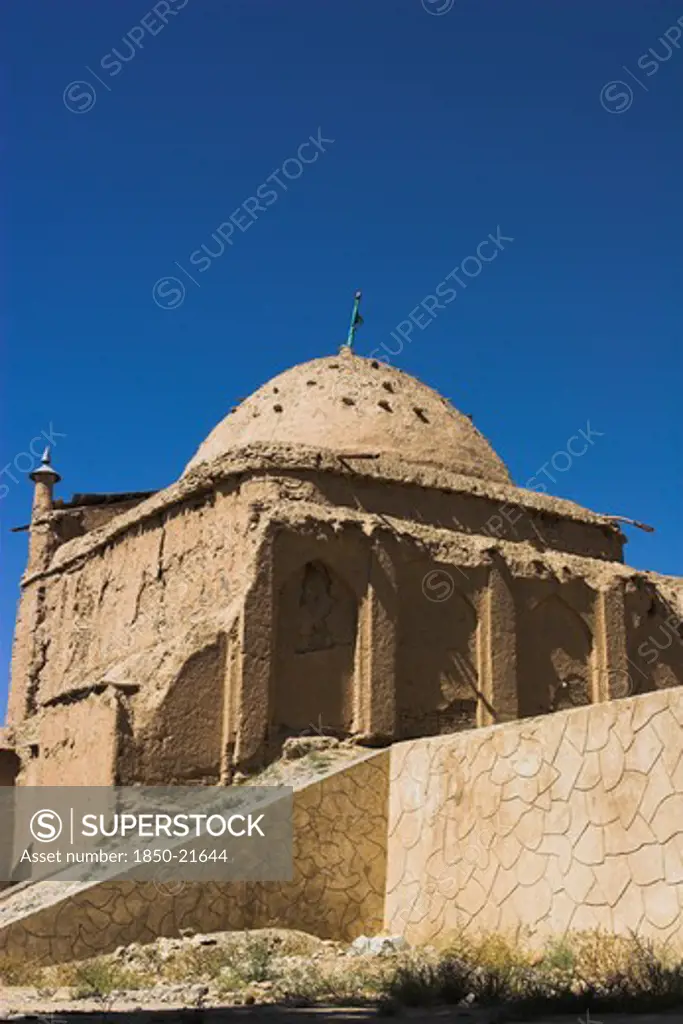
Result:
x=345 y=551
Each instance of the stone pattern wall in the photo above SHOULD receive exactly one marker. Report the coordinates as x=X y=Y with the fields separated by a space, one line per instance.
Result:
x=567 y=822
x=340 y=831
x=570 y=821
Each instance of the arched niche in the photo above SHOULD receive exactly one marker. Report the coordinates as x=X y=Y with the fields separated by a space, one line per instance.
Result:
x=654 y=642
x=554 y=658
x=437 y=677
x=316 y=630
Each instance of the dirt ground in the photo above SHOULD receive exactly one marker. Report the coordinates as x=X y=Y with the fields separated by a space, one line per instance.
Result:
x=18 y=1008
x=277 y=976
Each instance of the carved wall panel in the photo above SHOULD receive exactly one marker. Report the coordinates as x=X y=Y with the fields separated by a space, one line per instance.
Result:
x=316 y=624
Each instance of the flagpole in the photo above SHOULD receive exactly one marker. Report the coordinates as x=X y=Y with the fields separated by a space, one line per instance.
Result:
x=355 y=320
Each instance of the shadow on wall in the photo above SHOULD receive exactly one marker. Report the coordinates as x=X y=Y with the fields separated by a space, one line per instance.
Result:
x=554 y=658
x=183 y=743
x=655 y=640
x=9 y=769
x=437 y=678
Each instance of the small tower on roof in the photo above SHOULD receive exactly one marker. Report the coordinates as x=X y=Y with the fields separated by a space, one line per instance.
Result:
x=44 y=478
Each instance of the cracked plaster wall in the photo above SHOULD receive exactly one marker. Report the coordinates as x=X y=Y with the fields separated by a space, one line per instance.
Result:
x=337 y=889
x=568 y=822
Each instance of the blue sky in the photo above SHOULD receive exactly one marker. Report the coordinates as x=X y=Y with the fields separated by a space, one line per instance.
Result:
x=449 y=121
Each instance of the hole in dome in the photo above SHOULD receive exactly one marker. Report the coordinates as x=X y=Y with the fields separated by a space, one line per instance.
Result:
x=277 y=408
x=385 y=405
x=276 y=391
x=334 y=366
x=388 y=386
x=311 y=383
x=374 y=364
x=420 y=413
x=348 y=401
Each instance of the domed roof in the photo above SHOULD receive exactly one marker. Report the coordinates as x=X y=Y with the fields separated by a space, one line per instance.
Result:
x=348 y=403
